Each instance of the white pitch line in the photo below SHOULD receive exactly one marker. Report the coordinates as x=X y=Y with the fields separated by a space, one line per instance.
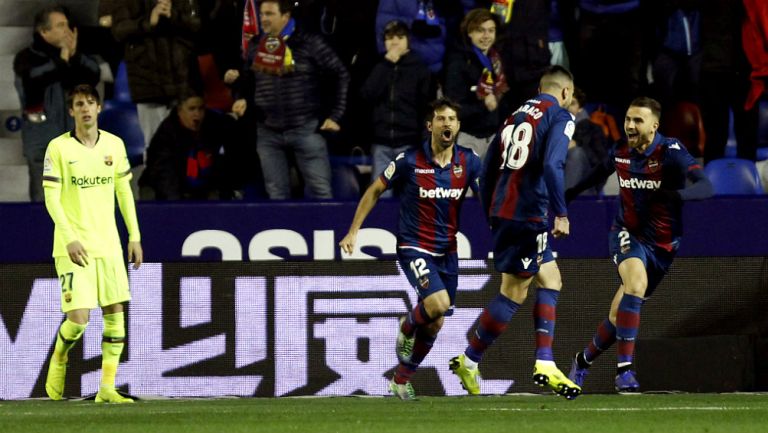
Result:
x=616 y=409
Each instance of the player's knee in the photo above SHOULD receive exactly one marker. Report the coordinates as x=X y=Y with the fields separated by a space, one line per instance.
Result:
x=517 y=294
x=79 y=316
x=553 y=283
x=612 y=316
x=434 y=327
x=438 y=309
x=636 y=287
x=437 y=304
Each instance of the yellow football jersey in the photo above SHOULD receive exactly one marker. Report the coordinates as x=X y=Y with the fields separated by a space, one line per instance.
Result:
x=86 y=178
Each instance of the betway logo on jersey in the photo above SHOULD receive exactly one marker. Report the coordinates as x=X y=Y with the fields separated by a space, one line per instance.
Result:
x=91 y=181
x=440 y=192
x=635 y=183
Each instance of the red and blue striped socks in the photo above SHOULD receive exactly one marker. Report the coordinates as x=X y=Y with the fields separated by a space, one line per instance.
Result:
x=544 y=322
x=493 y=321
x=627 y=325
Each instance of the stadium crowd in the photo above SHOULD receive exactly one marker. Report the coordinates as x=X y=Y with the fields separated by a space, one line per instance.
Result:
x=317 y=91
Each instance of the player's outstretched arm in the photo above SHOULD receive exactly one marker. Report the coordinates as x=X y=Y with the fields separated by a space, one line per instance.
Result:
x=596 y=176
x=364 y=207
x=700 y=188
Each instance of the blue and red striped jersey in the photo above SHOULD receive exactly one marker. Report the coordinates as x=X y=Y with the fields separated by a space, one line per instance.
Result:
x=431 y=196
x=523 y=172
x=665 y=164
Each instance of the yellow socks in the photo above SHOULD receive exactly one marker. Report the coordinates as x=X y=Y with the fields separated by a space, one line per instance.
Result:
x=69 y=333
x=111 y=347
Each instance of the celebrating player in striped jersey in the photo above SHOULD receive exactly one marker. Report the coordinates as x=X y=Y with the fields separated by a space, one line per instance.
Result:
x=522 y=178
x=84 y=170
x=652 y=171
x=433 y=180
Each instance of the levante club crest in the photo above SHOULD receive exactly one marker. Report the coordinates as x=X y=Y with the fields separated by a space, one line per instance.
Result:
x=458 y=171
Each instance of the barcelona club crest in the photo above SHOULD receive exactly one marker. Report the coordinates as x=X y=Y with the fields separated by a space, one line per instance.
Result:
x=108 y=160
x=424 y=282
x=67 y=297
x=458 y=171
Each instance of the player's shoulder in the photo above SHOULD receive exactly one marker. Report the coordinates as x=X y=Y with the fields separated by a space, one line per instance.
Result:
x=467 y=152
x=110 y=138
x=674 y=149
x=621 y=147
x=61 y=139
x=672 y=143
x=407 y=157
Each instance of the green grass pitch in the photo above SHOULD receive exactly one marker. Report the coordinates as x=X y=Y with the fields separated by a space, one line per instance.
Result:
x=509 y=414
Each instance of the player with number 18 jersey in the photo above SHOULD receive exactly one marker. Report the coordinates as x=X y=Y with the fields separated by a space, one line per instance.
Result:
x=523 y=175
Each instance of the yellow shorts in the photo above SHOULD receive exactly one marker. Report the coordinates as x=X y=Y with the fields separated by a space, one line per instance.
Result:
x=103 y=282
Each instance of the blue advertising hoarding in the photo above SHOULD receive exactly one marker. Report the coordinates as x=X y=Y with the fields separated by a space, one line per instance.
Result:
x=236 y=231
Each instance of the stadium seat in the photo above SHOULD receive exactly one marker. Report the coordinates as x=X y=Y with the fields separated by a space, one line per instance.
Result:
x=122 y=120
x=733 y=176
x=762 y=124
x=762 y=131
x=122 y=92
x=346 y=176
x=762 y=153
x=683 y=121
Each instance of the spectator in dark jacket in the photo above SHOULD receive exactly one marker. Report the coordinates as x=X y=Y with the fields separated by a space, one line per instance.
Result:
x=398 y=91
x=286 y=70
x=588 y=147
x=184 y=159
x=44 y=73
x=474 y=77
x=159 y=54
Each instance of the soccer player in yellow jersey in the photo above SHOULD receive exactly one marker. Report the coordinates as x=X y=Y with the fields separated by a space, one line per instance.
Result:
x=84 y=170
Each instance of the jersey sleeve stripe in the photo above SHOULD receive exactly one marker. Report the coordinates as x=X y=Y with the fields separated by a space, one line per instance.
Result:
x=52 y=179
x=123 y=174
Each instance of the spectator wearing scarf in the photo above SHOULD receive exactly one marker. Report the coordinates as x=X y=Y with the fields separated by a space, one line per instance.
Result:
x=282 y=81
x=474 y=78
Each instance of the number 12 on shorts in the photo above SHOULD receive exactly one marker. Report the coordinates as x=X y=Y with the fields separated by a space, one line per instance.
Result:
x=419 y=267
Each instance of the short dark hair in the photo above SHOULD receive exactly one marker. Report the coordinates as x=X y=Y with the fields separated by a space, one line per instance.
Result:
x=474 y=19
x=187 y=93
x=558 y=71
x=441 y=103
x=285 y=6
x=82 y=89
x=555 y=77
x=649 y=103
x=396 y=28
x=43 y=16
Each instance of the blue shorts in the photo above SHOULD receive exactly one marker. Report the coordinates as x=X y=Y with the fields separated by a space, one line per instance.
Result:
x=623 y=245
x=520 y=248
x=430 y=274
